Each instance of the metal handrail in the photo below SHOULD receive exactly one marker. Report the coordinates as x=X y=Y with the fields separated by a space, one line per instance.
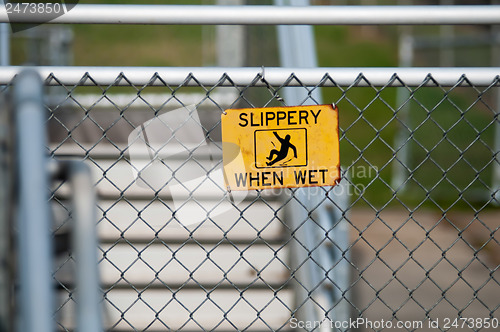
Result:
x=258 y=76
x=255 y=15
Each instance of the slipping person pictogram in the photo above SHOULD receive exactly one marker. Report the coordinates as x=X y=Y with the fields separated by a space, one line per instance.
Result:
x=283 y=151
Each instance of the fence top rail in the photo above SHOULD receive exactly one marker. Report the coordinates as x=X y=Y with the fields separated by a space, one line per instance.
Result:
x=260 y=76
x=261 y=15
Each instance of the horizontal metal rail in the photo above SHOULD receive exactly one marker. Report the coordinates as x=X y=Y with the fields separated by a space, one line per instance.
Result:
x=220 y=76
x=254 y=15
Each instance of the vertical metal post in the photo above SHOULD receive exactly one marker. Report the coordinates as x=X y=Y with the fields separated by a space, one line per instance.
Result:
x=34 y=226
x=318 y=262
x=292 y=38
x=496 y=148
x=446 y=33
x=4 y=42
x=230 y=41
x=495 y=60
x=84 y=243
x=6 y=173
x=333 y=253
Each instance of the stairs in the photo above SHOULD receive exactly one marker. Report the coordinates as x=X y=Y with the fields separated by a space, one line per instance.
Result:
x=230 y=272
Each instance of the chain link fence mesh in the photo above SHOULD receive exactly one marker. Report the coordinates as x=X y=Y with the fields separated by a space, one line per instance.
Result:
x=421 y=250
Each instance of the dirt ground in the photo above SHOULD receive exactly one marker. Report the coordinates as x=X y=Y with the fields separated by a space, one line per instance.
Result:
x=416 y=266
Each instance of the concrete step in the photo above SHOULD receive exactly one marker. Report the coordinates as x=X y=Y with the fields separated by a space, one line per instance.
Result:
x=219 y=262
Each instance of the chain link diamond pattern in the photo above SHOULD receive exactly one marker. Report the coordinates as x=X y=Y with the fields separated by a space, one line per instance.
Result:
x=420 y=172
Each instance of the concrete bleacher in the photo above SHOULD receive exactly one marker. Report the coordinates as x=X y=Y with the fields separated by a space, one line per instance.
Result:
x=157 y=272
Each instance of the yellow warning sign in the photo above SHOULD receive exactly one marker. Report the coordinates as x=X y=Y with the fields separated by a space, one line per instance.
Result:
x=281 y=147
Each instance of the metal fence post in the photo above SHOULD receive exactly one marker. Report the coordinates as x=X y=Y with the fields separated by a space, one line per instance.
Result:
x=6 y=172
x=402 y=144
x=34 y=225
x=495 y=60
x=326 y=278
x=496 y=166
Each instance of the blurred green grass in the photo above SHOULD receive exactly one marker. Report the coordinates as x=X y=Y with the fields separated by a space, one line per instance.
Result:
x=450 y=142
x=138 y=45
x=450 y=130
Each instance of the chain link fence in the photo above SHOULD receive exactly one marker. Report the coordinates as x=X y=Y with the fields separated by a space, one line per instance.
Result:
x=417 y=254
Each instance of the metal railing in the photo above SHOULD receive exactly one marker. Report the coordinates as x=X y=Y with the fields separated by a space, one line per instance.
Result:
x=248 y=15
x=257 y=76
x=84 y=243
